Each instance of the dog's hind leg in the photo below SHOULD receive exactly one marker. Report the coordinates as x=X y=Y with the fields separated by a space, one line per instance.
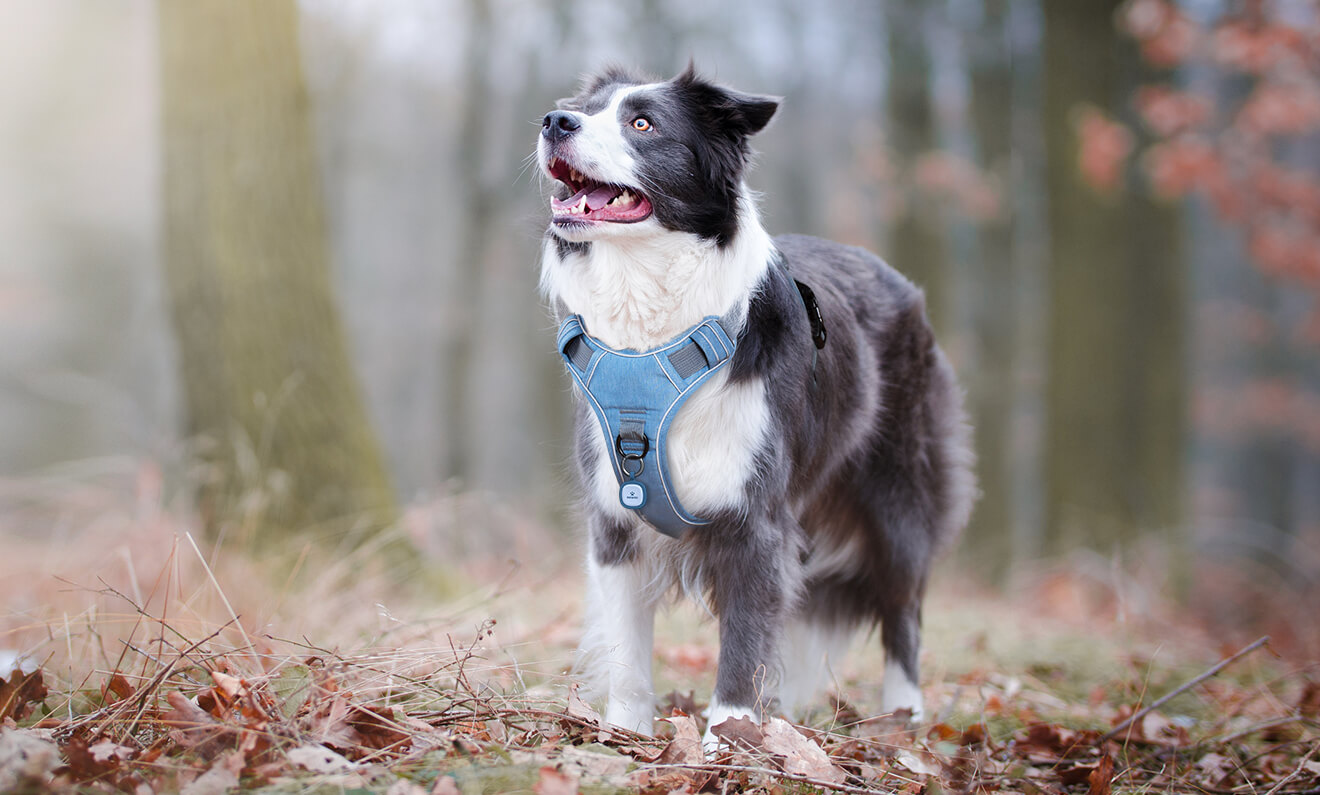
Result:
x=900 y=633
x=810 y=651
x=620 y=621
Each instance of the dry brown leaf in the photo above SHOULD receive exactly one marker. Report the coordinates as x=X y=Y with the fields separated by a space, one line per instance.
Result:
x=26 y=760
x=329 y=724
x=801 y=756
x=117 y=685
x=740 y=733
x=916 y=764
x=377 y=727
x=685 y=703
x=219 y=779
x=193 y=726
x=685 y=748
x=555 y=782
x=1101 y=778
x=577 y=708
x=85 y=765
x=318 y=759
x=20 y=693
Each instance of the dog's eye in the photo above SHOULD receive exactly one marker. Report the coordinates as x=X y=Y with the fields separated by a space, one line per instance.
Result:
x=641 y=124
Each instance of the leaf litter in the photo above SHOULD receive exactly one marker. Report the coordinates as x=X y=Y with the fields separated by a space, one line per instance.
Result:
x=204 y=708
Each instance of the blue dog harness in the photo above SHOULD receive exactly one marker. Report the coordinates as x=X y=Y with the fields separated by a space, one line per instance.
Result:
x=635 y=396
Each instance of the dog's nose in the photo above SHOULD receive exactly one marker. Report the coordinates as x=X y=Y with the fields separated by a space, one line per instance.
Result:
x=559 y=124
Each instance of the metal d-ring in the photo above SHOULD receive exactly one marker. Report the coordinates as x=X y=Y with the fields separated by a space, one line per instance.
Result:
x=625 y=457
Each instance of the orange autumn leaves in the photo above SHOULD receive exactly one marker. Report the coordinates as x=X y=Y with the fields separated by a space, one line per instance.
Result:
x=1230 y=153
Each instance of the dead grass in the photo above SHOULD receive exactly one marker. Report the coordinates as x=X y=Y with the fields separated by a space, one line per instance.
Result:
x=111 y=594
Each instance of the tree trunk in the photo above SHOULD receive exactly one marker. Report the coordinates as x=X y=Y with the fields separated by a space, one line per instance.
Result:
x=992 y=386
x=916 y=246
x=1116 y=364
x=269 y=388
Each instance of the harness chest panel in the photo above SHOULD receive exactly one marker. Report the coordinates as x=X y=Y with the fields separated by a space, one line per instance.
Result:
x=635 y=396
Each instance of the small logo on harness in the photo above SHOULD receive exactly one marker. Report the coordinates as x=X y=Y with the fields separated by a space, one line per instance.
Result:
x=632 y=494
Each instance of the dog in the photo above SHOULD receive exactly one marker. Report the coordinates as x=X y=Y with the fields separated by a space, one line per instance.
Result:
x=805 y=485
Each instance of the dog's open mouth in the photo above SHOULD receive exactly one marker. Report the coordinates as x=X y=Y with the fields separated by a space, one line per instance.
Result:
x=590 y=200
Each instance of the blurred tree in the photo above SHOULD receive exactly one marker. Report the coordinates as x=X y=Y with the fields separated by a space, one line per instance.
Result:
x=917 y=240
x=268 y=385
x=992 y=386
x=1116 y=394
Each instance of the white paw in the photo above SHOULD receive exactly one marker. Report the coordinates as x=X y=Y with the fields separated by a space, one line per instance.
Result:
x=717 y=714
x=900 y=692
x=633 y=717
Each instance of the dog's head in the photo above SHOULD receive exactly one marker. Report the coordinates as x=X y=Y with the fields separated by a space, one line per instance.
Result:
x=631 y=157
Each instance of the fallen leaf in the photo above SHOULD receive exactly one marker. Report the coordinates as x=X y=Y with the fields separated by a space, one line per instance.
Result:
x=193 y=726
x=577 y=708
x=740 y=733
x=684 y=703
x=328 y=723
x=118 y=685
x=685 y=748
x=319 y=759
x=220 y=778
x=801 y=756
x=20 y=693
x=1102 y=777
x=26 y=760
x=916 y=764
x=84 y=764
x=555 y=782
x=377 y=727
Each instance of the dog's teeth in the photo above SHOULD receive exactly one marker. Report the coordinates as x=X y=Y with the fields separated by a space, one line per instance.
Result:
x=581 y=206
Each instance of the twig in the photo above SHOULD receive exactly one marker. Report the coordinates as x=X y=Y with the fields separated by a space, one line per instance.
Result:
x=1301 y=766
x=1256 y=727
x=815 y=782
x=1216 y=668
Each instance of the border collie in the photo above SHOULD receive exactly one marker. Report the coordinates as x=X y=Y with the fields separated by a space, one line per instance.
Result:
x=825 y=481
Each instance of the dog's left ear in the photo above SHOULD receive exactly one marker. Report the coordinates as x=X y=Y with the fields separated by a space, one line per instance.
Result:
x=742 y=113
x=755 y=110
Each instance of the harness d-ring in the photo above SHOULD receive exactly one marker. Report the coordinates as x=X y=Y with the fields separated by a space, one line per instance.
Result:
x=624 y=457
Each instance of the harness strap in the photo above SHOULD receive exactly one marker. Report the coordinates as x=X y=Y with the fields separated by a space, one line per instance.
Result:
x=635 y=396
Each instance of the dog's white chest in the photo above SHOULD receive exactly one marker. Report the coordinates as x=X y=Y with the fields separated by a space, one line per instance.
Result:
x=712 y=448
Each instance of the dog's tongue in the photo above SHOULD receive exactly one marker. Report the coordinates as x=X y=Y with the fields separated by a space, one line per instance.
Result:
x=601 y=196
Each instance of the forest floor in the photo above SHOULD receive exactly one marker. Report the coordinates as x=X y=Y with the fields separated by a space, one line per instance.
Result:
x=136 y=660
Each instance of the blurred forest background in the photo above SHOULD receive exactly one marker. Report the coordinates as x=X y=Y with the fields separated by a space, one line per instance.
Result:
x=278 y=261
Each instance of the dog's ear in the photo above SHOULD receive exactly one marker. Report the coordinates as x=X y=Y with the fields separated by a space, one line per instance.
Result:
x=736 y=111
x=755 y=109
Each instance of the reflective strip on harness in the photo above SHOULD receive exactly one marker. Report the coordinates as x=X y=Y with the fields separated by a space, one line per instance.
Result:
x=635 y=396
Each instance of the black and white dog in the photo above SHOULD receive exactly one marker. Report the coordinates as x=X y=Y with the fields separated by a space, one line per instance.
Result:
x=830 y=478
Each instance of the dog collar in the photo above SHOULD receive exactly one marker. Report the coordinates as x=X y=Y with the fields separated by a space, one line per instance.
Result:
x=635 y=396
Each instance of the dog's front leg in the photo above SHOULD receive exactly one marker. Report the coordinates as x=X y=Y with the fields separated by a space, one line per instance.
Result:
x=753 y=592
x=619 y=639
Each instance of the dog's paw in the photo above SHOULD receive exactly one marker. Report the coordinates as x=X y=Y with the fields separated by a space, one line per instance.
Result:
x=900 y=694
x=633 y=717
